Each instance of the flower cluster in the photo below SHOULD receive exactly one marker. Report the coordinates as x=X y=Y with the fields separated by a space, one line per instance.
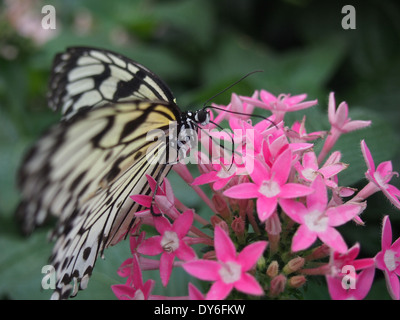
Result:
x=275 y=210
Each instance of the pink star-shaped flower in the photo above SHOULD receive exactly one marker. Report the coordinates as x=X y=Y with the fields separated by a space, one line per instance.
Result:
x=379 y=178
x=236 y=105
x=281 y=104
x=343 y=281
x=231 y=269
x=269 y=185
x=299 y=134
x=134 y=288
x=388 y=260
x=340 y=123
x=317 y=220
x=170 y=243
x=309 y=169
x=220 y=176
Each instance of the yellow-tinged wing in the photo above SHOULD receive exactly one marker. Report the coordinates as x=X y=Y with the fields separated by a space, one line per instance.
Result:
x=83 y=170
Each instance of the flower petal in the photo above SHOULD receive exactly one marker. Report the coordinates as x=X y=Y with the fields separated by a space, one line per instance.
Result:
x=294 y=190
x=151 y=246
x=393 y=285
x=250 y=254
x=194 y=293
x=294 y=209
x=219 y=290
x=183 y=223
x=281 y=167
x=303 y=238
x=392 y=193
x=205 y=178
x=166 y=264
x=203 y=269
x=248 y=284
x=185 y=252
x=162 y=224
x=332 y=108
x=341 y=214
x=123 y=291
x=265 y=207
x=224 y=248
x=260 y=172
x=367 y=156
x=142 y=200
x=334 y=239
x=364 y=283
x=243 y=191
x=319 y=199
x=386 y=240
x=310 y=160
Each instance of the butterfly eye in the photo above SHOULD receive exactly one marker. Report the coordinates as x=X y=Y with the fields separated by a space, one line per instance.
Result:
x=202 y=116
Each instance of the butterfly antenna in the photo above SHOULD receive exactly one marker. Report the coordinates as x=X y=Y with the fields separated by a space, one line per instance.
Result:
x=216 y=142
x=233 y=143
x=230 y=86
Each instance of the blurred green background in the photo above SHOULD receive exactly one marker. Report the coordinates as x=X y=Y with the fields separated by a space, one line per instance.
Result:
x=198 y=47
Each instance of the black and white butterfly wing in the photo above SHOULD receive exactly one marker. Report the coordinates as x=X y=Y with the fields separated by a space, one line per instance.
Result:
x=87 y=77
x=84 y=169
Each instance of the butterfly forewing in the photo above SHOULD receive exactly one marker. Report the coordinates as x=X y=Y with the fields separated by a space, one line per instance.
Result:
x=87 y=77
x=84 y=170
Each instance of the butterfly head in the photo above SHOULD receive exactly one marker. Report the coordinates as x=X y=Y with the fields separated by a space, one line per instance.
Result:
x=201 y=116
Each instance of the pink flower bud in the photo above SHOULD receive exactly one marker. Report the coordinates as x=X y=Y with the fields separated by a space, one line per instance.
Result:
x=209 y=255
x=221 y=206
x=297 y=281
x=278 y=285
x=273 y=269
x=238 y=227
x=318 y=253
x=217 y=221
x=294 y=265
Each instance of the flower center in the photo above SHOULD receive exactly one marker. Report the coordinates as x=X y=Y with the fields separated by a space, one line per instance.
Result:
x=269 y=188
x=226 y=171
x=380 y=180
x=316 y=221
x=230 y=272
x=170 y=241
x=390 y=259
x=309 y=174
x=139 y=295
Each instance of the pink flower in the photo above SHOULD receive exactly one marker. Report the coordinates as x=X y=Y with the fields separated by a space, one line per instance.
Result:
x=219 y=177
x=340 y=123
x=194 y=293
x=231 y=269
x=134 y=289
x=281 y=104
x=308 y=170
x=378 y=178
x=341 y=290
x=269 y=185
x=388 y=260
x=298 y=132
x=343 y=281
x=317 y=220
x=165 y=191
x=170 y=243
x=126 y=269
x=236 y=105
x=339 y=119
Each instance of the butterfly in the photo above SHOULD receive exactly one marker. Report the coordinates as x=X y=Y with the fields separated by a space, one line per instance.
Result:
x=83 y=169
